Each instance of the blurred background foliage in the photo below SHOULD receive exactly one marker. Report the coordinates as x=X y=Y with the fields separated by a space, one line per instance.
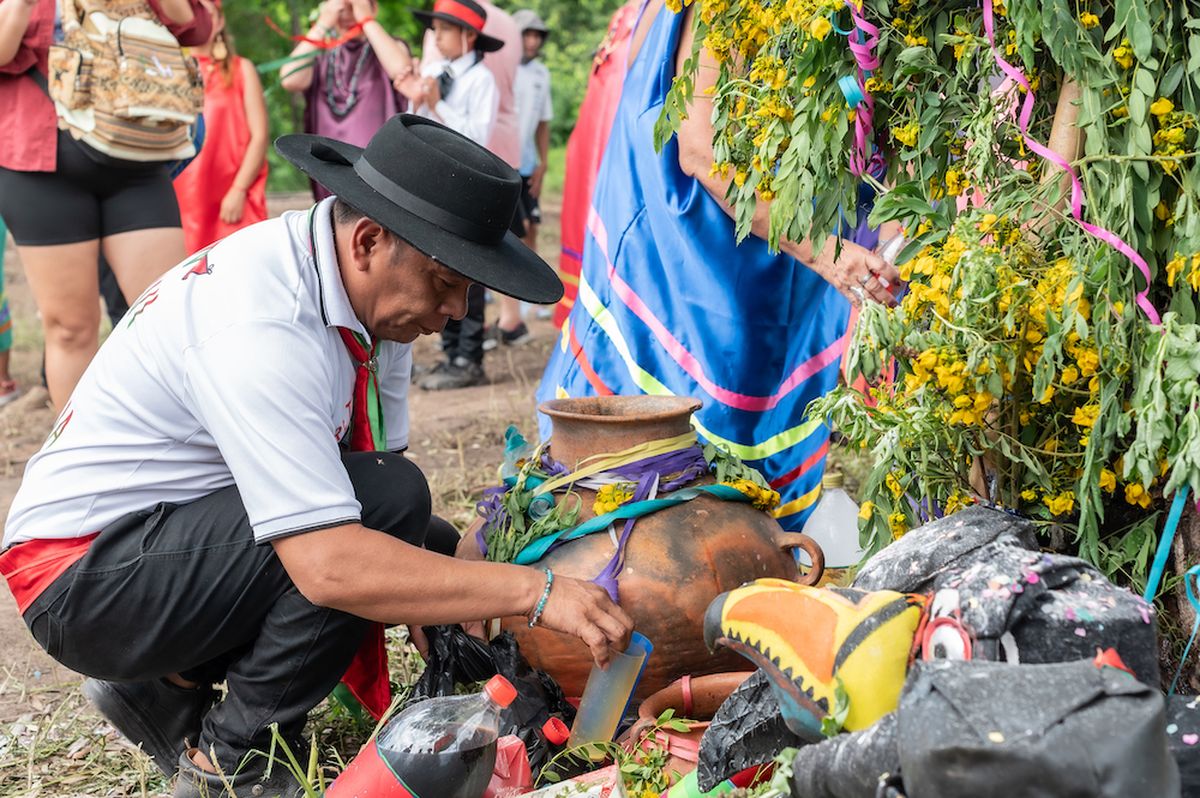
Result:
x=577 y=26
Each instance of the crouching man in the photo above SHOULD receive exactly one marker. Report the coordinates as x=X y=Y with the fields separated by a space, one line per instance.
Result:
x=224 y=496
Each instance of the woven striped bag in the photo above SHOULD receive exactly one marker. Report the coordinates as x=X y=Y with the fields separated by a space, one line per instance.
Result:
x=121 y=83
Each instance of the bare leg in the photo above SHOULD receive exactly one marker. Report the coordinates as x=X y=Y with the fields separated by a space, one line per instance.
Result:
x=65 y=287
x=8 y=386
x=510 y=312
x=140 y=257
x=530 y=238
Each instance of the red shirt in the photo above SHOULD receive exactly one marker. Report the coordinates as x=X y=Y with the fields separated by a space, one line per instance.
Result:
x=30 y=568
x=28 y=126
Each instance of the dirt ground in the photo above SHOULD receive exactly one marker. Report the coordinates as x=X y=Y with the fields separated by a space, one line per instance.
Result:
x=51 y=742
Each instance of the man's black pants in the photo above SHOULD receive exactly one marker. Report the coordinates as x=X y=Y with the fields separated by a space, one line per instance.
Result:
x=185 y=589
x=465 y=338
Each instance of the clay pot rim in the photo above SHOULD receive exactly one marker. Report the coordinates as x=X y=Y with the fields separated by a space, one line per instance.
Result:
x=672 y=407
x=718 y=683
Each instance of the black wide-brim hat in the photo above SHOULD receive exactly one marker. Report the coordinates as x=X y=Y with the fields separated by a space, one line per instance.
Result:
x=439 y=191
x=464 y=13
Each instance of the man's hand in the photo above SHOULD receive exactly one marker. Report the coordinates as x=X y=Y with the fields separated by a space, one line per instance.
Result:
x=584 y=610
x=233 y=205
x=416 y=636
x=468 y=544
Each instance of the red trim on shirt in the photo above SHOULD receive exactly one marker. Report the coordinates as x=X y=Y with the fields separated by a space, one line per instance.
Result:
x=30 y=567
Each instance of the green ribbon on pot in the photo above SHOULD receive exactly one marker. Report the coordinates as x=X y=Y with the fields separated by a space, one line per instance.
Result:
x=542 y=546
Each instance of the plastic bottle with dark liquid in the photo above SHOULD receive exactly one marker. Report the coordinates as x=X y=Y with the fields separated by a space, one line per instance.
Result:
x=440 y=748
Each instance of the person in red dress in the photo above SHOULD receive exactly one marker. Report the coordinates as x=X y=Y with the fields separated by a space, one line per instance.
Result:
x=225 y=188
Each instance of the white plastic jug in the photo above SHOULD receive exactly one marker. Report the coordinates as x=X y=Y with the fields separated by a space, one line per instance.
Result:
x=834 y=524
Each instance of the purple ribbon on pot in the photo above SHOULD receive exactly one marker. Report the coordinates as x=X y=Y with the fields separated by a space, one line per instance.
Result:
x=492 y=512
x=672 y=470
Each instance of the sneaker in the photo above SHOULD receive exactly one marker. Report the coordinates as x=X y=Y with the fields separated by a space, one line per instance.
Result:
x=196 y=783
x=162 y=718
x=422 y=369
x=461 y=374
x=494 y=336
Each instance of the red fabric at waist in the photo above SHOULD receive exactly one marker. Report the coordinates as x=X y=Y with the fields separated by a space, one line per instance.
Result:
x=30 y=567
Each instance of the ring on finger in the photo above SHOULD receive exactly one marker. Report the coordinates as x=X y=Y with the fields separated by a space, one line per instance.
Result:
x=863 y=279
x=859 y=292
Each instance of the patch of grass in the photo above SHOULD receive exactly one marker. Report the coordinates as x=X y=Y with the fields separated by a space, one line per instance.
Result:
x=61 y=747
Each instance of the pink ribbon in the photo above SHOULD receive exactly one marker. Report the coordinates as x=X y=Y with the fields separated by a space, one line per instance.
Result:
x=1107 y=236
x=862 y=44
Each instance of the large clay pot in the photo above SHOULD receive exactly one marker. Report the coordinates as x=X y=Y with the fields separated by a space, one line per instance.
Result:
x=677 y=560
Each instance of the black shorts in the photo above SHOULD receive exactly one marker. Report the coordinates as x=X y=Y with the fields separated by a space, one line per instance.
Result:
x=533 y=211
x=84 y=201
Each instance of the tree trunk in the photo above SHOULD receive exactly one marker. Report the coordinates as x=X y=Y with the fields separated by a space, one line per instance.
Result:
x=1066 y=140
x=1178 y=615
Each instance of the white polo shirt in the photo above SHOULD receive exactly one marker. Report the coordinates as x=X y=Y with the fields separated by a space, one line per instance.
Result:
x=471 y=107
x=228 y=370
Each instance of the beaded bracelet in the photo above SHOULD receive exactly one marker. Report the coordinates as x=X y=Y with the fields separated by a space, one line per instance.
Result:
x=541 y=605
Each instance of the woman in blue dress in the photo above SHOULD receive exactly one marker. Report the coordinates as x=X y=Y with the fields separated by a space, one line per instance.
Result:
x=669 y=303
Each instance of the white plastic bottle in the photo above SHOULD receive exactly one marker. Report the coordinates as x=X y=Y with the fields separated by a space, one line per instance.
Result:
x=834 y=524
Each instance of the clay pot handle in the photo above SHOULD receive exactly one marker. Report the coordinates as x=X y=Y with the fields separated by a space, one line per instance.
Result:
x=795 y=540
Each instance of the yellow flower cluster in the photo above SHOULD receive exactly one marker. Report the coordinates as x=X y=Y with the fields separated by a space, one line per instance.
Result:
x=1176 y=266
x=768 y=70
x=762 y=498
x=973 y=362
x=758 y=22
x=957 y=501
x=1123 y=54
x=1174 y=129
x=956 y=182
x=1061 y=504
x=1137 y=495
x=612 y=496
x=907 y=134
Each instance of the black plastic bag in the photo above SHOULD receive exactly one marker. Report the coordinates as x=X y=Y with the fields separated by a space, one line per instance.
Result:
x=945 y=546
x=1065 y=730
x=456 y=659
x=1019 y=604
x=860 y=764
x=1183 y=736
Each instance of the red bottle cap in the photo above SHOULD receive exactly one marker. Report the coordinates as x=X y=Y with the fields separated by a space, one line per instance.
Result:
x=556 y=731
x=500 y=690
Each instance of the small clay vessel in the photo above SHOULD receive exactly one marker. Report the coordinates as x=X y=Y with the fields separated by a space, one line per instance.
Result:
x=693 y=700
